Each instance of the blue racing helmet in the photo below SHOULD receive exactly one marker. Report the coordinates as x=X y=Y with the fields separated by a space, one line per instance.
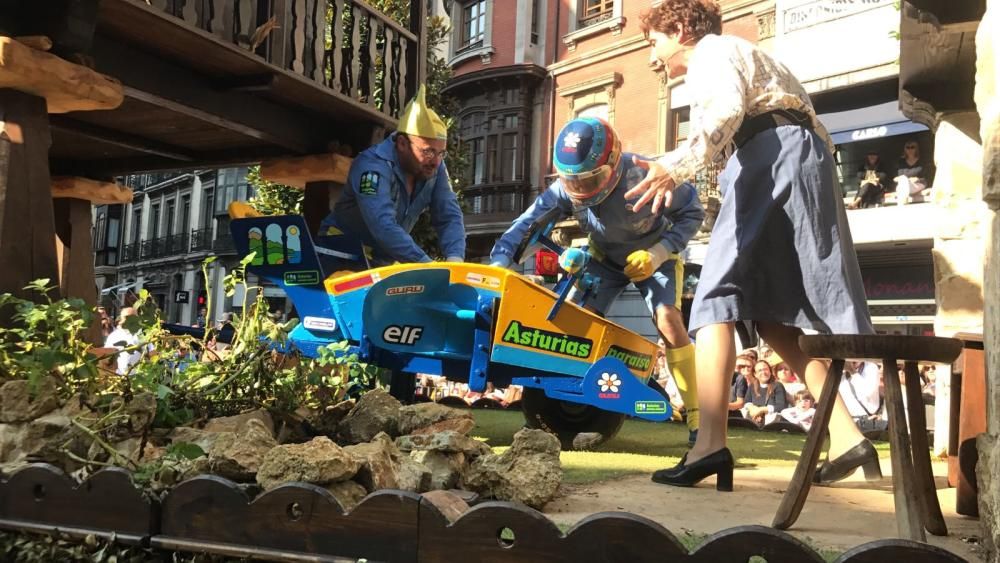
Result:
x=588 y=159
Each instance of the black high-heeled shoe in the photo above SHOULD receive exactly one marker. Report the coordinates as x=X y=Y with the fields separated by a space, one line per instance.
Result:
x=863 y=455
x=686 y=474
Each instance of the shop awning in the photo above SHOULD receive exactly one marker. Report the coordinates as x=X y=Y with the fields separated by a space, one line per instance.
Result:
x=872 y=122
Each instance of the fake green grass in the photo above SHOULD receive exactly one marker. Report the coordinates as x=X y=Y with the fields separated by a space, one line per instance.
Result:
x=643 y=447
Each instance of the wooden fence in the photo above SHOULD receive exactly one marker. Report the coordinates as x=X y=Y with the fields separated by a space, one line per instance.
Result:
x=346 y=45
x=302 y=522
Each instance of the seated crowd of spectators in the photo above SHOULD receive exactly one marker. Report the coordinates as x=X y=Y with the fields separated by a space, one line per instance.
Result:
x=765 y=391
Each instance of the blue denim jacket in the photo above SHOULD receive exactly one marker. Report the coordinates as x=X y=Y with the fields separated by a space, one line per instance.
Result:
x=375 y=207
x=613 y=227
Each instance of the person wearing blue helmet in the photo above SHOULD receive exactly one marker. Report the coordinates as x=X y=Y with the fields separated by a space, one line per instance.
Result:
x=641 y=248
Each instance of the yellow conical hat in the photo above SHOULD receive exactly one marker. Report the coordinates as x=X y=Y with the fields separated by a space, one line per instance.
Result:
x=420 y=120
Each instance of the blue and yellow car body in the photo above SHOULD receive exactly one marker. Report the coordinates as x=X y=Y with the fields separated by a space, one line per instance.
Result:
x=472 y=323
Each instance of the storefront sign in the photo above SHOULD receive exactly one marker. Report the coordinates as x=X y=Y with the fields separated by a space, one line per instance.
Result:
x=182 y=297
x=824 y=10
x=899 y=282
x=869 y=133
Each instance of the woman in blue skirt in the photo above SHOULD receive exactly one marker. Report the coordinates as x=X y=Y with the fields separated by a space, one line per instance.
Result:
x=781 y=206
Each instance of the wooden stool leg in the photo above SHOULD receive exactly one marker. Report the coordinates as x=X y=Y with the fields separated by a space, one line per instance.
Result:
x=926 y=491
x=908 y=520
x=798 y=488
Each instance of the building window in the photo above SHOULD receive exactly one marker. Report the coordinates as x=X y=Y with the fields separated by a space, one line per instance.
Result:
x=171 y=215
x=185 y=214
x=100 y=240
x=208 y=208
x=597 y=110
x=136 y=224
x=154 y=222
x=595 y=11
x=473 y=24
x=535 y=21
x=680 y=125
x=510 y=163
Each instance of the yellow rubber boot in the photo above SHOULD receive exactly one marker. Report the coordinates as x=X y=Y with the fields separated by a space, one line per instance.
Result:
x=682 y=368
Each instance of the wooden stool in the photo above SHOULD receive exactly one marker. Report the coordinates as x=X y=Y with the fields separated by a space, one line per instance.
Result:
x=912 y=480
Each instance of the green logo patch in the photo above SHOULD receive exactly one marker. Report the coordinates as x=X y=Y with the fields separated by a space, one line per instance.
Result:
x=539 y=339
x=369 y=183
x=302 y=277
x=632 y=359
x=651 y=407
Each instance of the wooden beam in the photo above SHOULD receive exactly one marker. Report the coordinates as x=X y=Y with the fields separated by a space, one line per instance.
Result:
x=154 y=80
x=97 y=193
x=37 y=42
x=97 y=168
x=64 y=85
x=299 y=171
x=76 y=256
x=118 y=138
x=27 y=228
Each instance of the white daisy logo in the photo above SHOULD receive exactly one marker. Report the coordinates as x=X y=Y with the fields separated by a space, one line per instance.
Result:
x=571 y=140
x=609 y=382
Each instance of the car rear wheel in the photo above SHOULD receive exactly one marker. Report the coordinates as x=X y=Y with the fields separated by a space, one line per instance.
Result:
x=565 y=419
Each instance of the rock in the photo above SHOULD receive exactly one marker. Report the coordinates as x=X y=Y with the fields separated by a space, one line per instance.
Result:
x=375 y=412
x=237 y=456
x=237 y=422
x=445 y=468
x=459 y=425
x=448 y=441
x=450 y=505
x=327 y=420
x=140 y=412
x=378 y=466
x=422 y=415
x=19 y=403
x=319 y=461
x=587 y=440
x=529 y=472
x=293 y=429
x=189 y=469
x=347 y=493
x=200 y=438
x=412 y=475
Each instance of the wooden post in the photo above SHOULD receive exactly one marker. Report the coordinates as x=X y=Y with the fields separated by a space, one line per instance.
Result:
x=75 y=256
x=27 y=228
x=416 y=59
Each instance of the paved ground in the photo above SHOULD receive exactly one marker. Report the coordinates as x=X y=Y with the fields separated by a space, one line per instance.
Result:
x=849 y=514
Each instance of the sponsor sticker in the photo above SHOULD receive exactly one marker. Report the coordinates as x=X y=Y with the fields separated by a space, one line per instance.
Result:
x=369 y=183
x=479 y=279
x=302 y=277
x=634 y=360
x=355 y=283
x=406 y=335
x=320 y=323
x=651 y=407
x=404 y=290
x=564 y=344
x=609 y=384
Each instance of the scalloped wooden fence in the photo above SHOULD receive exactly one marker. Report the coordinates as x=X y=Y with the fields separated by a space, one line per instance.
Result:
x=302 y=522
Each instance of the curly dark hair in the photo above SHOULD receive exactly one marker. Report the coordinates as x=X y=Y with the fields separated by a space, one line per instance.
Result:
x=698 y=18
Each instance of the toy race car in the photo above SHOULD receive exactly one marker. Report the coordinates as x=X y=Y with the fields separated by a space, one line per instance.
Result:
x=471 y=323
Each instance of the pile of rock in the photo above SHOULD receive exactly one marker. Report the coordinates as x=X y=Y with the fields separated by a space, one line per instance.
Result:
x=375 y=443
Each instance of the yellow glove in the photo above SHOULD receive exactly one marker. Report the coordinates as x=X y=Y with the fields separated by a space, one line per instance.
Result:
x=641 y=264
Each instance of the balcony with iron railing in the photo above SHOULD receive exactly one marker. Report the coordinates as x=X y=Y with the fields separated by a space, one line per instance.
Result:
x=493 y=211
x=358 y=53
x=201 y=240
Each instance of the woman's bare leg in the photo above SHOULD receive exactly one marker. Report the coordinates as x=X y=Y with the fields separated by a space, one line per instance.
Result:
x=715 y=357
x=844 y=434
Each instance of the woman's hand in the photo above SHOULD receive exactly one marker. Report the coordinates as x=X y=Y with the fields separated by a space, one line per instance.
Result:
x=657 y=186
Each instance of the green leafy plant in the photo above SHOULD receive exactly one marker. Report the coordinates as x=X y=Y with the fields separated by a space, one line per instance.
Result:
x=45 y=338
x=273 y=199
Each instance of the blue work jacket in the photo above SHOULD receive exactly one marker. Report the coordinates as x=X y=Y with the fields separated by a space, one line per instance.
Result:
x=376 y=207
x=614 y=229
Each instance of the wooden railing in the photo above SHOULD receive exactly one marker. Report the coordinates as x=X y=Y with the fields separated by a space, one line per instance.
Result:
x=300 y=522
x=346 y=45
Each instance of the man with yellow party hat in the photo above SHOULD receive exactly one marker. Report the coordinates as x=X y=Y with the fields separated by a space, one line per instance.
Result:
x=392 y=183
